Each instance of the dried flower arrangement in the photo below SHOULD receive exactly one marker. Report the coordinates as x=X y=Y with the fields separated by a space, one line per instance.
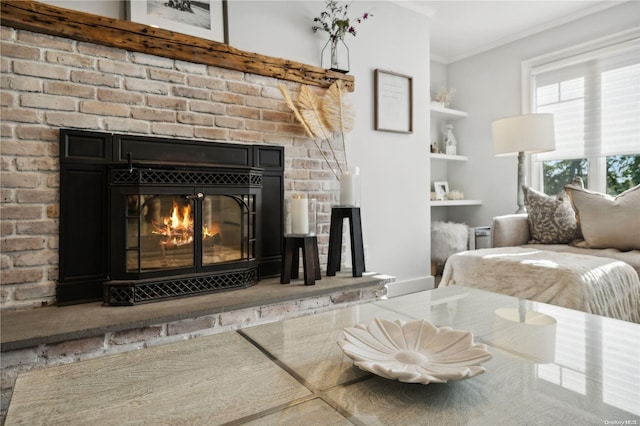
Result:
x=323 y=117
x=335 y=20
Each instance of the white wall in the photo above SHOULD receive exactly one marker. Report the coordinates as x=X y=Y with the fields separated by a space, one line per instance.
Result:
x=115 y=9
x=439 y=77
x=488 y=87
x=394 y=167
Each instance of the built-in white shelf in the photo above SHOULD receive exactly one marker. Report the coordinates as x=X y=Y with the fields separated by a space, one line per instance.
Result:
x=438 y=110
x=449 y=157
x=452 y=203
x=439 y=113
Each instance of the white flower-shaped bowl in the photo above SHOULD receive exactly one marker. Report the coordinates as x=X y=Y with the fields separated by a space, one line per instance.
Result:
x=414 y=351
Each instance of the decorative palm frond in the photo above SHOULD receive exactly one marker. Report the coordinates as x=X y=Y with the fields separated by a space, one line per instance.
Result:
x=311 y=109
x=338 y=113
x=321 y=117
x=296 y=112
x=300 y=118
x=310 y=104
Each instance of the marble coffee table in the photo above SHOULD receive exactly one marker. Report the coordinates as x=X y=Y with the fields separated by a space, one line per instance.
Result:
x=557 y=367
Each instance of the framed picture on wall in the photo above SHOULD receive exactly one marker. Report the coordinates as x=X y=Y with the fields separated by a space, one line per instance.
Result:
x=393 y=102
x=200 y=18
x=442 y=189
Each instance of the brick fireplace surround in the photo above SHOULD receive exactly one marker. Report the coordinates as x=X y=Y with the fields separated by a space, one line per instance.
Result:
x=49 y=83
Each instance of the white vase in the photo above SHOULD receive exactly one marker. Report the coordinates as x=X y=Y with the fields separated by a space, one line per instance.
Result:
x=350 y=188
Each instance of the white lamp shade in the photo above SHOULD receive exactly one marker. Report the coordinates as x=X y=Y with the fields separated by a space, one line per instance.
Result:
x=523 y=133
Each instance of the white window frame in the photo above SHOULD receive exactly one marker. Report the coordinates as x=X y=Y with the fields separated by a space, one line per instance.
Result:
x=566 y=57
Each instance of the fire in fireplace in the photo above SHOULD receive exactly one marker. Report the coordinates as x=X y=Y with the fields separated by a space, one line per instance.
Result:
x=158 y=242
x=168 y=241
x=182 y=217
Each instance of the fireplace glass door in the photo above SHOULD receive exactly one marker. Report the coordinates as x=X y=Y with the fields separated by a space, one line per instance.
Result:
x=188 y=231
x=227 y=227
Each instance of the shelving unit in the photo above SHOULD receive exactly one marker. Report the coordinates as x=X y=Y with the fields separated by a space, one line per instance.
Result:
x=453 y=203
x=439 y=115
x=449 y=157
x=439 y=110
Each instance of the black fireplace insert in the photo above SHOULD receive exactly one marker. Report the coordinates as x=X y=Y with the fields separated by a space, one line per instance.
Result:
x=145 y=219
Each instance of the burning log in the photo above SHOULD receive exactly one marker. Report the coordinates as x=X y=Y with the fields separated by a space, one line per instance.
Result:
x=177 y=229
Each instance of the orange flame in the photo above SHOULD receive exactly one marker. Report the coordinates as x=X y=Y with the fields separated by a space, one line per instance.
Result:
x=178 y=227
x=210 y=231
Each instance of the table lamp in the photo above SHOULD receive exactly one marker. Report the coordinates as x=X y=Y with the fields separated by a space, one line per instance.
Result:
x=523 y=134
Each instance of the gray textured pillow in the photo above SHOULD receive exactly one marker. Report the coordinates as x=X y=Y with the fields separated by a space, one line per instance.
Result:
x=552 y=219
x=607 y=222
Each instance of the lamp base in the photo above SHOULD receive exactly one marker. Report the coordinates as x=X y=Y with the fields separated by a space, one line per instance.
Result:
x=521 y=182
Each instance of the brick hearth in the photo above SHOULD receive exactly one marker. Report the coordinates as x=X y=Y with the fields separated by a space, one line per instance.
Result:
x=60 y=335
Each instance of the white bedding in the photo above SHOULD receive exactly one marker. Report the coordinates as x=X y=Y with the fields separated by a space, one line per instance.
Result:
x=596 y=285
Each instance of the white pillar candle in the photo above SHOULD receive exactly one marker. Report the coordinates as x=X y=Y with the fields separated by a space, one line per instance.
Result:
x=348 y=189
x=300 y=215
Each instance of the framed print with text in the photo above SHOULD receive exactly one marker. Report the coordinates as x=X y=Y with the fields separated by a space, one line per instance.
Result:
x=200 y=18
x=393 y=102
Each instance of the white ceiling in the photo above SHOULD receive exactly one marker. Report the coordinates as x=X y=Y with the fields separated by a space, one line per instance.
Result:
x=460 y=29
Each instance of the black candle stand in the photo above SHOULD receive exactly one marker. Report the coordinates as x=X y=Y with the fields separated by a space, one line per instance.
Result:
x=310 y=259
x=338 y=214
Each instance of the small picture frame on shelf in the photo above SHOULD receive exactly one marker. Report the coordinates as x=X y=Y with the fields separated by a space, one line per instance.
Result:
x=441 y=189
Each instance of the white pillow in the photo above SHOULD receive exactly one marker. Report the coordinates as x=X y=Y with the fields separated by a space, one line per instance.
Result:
x=605 y=221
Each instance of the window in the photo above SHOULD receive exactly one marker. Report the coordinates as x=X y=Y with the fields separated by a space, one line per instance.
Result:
x=594 y=95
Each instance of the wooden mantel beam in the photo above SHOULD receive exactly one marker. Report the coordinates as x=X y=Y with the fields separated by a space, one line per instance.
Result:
x=43 y=18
